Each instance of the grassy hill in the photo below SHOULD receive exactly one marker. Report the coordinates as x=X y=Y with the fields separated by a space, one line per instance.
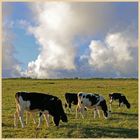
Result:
x=123 y=122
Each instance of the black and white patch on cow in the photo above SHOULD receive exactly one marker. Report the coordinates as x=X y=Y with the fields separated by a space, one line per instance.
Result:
x=41 y=103
x=91 y=101
x=120 y=98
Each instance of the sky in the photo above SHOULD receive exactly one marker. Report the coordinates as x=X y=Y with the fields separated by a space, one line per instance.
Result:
x=70 y=39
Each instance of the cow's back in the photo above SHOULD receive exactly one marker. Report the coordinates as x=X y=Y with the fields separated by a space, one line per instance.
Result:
x=37 y=100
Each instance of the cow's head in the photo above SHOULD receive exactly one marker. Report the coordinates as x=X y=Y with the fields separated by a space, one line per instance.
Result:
x=128 y=105
x=64 y=118
x=110 y=95
x=61 y=112
x=56 y=110
x=125 y=101
x=104 y=108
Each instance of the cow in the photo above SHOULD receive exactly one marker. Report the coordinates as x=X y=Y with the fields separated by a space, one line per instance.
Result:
x=120 y=97
x=41 y=103
x=91 y=101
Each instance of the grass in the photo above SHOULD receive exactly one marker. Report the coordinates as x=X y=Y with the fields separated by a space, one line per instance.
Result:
x=123 y=122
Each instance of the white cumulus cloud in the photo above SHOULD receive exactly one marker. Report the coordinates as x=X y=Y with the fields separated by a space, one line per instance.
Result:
x=57 y=26
x=118 y=53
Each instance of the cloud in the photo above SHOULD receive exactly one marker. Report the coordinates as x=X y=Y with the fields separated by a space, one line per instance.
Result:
x=118 y=54
x=57 y=26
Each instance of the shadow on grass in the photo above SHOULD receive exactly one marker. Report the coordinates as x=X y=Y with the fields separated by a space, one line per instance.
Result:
x=7 y=125
x=109 y=132
x=127 y=114
x=78 y=131
x=114 y=119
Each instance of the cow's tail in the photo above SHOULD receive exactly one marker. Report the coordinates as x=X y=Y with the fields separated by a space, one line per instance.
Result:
x=18 y=106
x=17 y=97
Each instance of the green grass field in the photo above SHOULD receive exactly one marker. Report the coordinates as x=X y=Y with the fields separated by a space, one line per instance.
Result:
x=123 y=122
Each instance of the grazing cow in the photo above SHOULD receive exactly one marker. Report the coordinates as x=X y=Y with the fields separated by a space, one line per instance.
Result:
x=91 y=101
x=119 y=96
x=71 y=98
x=39 y=102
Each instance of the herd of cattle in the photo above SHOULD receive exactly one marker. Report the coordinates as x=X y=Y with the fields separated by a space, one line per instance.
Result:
x=46 y=105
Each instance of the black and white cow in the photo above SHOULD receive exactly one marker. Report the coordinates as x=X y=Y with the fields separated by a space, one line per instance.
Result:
x=91 y=101
x=120 y=97
x=41 y=103
x=71 y=98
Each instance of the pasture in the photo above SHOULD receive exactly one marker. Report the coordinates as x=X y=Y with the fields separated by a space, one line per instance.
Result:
x=123 y=122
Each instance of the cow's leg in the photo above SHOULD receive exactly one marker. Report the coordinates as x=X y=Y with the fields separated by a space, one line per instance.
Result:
x=82 y=112
x=16 y=116
x=27 y=116
x=33 y=116
x=95 y=113
x=110 y=106
x=98 y=112
x=46 y=116
x=15 y=119
x=21 y=112
x=120 y=102
x=66 y=107
x=40 y=120
x=70 y=107
x=77 y=110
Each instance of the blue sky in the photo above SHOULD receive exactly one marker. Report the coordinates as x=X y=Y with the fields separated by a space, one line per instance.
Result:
x=28 y=47
x=23 y=43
